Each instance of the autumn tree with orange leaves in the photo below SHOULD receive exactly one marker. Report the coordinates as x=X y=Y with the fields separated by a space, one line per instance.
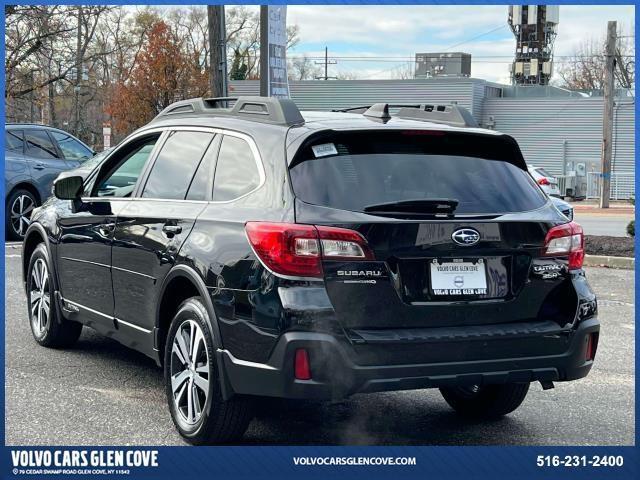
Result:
x=163 y=74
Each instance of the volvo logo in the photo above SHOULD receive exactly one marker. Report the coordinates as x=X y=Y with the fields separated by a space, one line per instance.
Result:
x=465 y=237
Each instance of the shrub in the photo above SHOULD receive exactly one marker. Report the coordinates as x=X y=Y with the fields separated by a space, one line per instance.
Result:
x=631 y=228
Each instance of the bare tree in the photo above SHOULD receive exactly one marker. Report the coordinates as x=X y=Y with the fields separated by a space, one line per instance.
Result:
x=584 y=69
x=303 y=68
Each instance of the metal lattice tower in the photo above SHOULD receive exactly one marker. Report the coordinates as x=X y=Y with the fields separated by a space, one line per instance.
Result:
x=535 y=28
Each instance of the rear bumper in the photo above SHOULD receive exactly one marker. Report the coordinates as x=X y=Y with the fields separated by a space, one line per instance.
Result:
x=339 y=368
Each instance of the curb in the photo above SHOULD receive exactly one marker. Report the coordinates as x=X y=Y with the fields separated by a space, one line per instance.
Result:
x=627 y=263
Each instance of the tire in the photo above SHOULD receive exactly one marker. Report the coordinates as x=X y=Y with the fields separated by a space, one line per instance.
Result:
x=18 y=209
x=48 y=329
x=203 y=418
x=486 y=402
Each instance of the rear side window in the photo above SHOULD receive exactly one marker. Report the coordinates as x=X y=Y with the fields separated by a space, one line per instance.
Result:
x=202 y=182
x=39 y=145
x=356 y=170
x=13 y=141
x=176 y=164
x=237 y=172
x=71 y=148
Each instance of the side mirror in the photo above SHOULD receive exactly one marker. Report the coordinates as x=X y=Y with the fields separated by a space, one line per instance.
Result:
x=68 y=188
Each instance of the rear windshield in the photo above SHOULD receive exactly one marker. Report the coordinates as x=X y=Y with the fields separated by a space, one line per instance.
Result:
x=355 y=170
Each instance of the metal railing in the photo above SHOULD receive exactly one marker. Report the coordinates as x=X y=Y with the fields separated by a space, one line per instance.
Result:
x=623 y=185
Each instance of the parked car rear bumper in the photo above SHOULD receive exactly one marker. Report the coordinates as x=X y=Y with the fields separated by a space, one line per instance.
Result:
x=340 y=368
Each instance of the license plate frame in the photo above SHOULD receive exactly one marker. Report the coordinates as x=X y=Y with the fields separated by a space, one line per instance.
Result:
x=458 y=277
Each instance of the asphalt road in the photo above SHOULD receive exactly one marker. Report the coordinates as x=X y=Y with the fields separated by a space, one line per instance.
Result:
x=611 y=224
x=100 y=393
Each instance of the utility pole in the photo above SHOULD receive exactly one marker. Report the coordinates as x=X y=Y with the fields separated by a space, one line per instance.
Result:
x=78 y=79
x=217 y=50
x=607 y=120
x=326 y=65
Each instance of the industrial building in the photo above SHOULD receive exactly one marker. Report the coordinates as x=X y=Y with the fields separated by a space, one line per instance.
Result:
x=443 y=64
x=557 y=129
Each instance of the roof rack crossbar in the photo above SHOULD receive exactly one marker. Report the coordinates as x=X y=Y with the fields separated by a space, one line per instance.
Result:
x=277 y=111
x=366 y=107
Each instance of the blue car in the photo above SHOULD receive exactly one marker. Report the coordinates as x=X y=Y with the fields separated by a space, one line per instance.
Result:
x=34 y=156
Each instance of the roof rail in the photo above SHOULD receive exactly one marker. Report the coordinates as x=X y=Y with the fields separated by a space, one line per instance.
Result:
x=275 y=111
x=446 y=114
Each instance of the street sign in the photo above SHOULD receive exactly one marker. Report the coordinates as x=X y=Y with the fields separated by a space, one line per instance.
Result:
x=273 y=51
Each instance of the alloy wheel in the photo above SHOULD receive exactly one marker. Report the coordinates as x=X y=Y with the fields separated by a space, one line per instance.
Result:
x=40 y=298
x=21 y=210
x=189 y=371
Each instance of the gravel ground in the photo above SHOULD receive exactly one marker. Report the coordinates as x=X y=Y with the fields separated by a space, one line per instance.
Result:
x=100 y=393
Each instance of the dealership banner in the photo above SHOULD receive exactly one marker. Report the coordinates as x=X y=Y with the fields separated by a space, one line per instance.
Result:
x=321 y=462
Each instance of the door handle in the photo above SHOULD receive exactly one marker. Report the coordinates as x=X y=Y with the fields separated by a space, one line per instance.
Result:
x=39 y=166
x=172 y=229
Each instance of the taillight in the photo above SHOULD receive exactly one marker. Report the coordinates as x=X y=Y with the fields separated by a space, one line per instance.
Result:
x=543 y=181
x=566 y=240
x=298 y=250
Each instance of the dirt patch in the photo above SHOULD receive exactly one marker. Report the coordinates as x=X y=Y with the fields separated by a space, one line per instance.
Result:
x=612 y=246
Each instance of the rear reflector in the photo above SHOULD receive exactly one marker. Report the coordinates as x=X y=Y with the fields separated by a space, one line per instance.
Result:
x=298 y=250
x=566 y=240
x=592 y=346
x=302 y=368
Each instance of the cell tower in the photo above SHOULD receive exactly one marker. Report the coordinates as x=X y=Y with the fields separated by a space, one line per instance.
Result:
x=535 y=28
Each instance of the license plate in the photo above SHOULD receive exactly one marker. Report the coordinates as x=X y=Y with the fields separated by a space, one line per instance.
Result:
x=458 y=277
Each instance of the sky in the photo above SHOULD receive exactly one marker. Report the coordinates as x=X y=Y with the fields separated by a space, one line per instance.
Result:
x=398 y=32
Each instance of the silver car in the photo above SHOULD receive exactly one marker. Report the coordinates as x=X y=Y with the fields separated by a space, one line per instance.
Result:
x=548 y=183
x=34 y=156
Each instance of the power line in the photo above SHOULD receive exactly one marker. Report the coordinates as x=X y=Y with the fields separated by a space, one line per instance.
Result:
x=499 y=27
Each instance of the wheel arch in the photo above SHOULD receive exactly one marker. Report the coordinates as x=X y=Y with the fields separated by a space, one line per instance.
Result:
x=24 y=185
x=186 y=282
x=35 y=235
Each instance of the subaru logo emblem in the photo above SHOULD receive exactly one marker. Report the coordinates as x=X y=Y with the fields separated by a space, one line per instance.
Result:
x=465 y=237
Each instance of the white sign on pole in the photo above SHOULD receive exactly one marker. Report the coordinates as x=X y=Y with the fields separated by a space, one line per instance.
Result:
x=275 y=31
x=106 y=135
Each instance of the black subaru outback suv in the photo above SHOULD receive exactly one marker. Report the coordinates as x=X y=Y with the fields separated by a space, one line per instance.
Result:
x=260 y=251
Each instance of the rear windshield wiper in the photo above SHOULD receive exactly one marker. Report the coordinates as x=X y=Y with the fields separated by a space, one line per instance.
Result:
x=432 y=206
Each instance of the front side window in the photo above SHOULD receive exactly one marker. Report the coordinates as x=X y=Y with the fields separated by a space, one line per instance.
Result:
x=176 y=164
x=39 y=145
x=236 y=173
x=71 y=148
x=14 y=141
x=120 y=180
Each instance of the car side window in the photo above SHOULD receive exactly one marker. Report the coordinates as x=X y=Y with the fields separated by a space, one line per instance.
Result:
x=71 y=148
x=176 y=165
x=39 y=144
x=236 y=173
x=120 y=180
x=14 y=141
x=202 y=182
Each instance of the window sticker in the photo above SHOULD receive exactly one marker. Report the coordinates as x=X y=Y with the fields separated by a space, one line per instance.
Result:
x=324 y=150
